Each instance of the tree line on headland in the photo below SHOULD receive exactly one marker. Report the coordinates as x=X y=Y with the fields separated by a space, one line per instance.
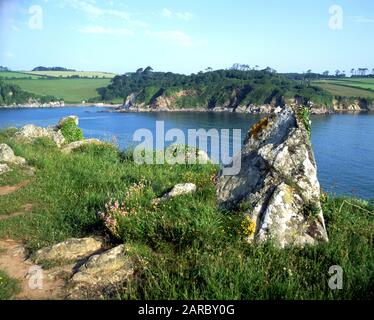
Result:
x=238 y=85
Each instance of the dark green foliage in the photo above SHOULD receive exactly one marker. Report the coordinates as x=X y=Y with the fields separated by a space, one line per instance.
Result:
x=305 y=117
x=70 y=131
x=212 y=89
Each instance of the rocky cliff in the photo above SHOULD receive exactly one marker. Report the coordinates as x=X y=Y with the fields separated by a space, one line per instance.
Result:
x=277 y=182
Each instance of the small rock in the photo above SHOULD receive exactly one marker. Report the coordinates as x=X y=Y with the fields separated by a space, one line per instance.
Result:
x=110 y=267
x=7 y=155
x=4 y=168
x=68 y=250
x=61 y=122
x=77 y=144
x=178 y=190
x=181 y=189
x=185 y=154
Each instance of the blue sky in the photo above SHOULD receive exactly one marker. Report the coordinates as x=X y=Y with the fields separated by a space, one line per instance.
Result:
x=186 y=35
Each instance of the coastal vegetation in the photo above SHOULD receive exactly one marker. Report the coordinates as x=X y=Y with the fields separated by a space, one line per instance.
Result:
x=230 y=88
x=212 y=89
x=185 y=247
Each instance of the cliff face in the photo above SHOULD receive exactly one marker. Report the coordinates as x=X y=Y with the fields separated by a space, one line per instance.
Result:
x=353 y=104
x=187 y=100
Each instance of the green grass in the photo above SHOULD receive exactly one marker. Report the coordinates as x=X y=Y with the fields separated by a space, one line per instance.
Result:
x=355 y=87
x=8 y=287
x=185 y=248
x=70 y=90
x=366 y=84
x=65 y=74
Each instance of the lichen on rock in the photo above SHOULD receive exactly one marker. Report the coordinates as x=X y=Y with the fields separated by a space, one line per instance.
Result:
x=4 y=168
x=7 y=155
x=107 y=268
x=68 y=250
x=278 y=179
x=31 y=132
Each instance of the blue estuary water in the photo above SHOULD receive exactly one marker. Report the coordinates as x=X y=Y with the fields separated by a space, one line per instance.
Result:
x=343 y=144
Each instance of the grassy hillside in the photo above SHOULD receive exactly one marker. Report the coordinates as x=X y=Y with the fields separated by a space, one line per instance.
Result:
x=363 y=83
x=11 y=94
x=186 y=247
x=6 y=75
x=66 y=74
x=70 y=90
x=348 y=87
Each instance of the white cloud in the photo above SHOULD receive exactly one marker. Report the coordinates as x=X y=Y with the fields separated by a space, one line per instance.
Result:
x=186 y=16
x=107 y=31
x=167 y=13
x=94 y=11
x=173 y=36
x=362 y=19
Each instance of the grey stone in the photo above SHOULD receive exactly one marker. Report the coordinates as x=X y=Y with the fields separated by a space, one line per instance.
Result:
x=7 y=155
x=31 y=132
x=278 y=182
x=70 y=249
x=184 y=154
x=62 y=120
x=178 y=190
x=110 y=267
x=77 y=144
x=4 y=168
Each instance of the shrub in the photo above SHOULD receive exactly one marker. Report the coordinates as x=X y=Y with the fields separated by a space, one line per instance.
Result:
x=70 y=131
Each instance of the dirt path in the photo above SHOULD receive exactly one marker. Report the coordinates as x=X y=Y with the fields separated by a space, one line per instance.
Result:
x=5 y=190
x=13 y=261
x=27 y=208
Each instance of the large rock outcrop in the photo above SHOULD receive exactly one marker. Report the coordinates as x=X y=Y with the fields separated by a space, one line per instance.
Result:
x=277 y=182
x=31 y=132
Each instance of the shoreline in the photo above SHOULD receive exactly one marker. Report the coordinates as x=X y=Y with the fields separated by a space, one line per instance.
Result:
x=68 y=105
x=117 y=108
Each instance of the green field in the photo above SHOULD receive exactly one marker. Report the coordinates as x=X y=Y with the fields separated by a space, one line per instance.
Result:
x=367 y=84
x=70 y=90
x=348 y=87
x=18 y=75
x=65 y=74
